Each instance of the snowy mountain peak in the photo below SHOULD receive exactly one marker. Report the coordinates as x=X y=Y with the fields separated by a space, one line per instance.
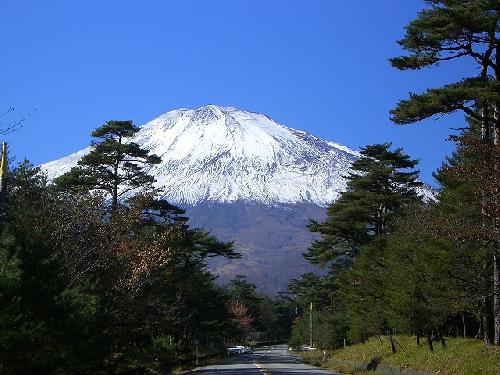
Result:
x=223 y=154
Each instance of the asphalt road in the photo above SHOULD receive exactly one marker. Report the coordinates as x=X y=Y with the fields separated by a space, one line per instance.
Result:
x=268 y=360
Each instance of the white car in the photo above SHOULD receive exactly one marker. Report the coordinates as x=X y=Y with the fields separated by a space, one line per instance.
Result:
x=239 y=349
x=246 y=350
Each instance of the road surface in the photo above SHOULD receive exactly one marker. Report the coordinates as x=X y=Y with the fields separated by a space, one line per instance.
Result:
x=268 y=360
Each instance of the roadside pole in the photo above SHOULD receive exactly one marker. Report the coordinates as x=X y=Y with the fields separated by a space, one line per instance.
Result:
x=3 y=183
x=196 y=343
x=311 y=325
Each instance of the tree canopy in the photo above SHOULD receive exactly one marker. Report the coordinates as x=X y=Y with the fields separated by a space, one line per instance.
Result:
x=113 y=165
x=380 y=182
x=450 y=30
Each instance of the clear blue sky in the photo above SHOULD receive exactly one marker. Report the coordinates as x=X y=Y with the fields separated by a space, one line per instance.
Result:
x=314 y=65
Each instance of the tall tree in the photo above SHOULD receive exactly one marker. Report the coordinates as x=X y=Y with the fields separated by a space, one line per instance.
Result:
x=114 y=165
x=381 y=182
x=240 y=289
x=451 y=30
x=420 y=265
x=46 y=322
x=330 y=323
x=353 y=235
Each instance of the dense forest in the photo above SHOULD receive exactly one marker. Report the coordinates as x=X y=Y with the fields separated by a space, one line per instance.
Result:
x=90 y=284
x=398 y=263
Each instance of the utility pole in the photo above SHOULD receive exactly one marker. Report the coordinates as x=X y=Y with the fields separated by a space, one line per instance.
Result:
x=196 y=342
x=311 y=325
x=3 y=182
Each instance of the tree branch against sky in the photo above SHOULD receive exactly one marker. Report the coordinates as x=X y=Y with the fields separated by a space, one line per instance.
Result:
x=113 y=165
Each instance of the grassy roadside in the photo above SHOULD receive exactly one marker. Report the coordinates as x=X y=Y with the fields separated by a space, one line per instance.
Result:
x=460 y=357
x=317 y=359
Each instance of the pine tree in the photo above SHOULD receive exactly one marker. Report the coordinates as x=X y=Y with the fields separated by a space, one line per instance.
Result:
x=419 y=268
x=451 y=30
x=83 y=290
x=380 y=183
x=330 y=322
x=469 y=181
x=46 y=322
x=114 y=165
x=353 y=236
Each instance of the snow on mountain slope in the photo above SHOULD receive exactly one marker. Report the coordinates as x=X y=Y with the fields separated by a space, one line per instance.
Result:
x=223 y=154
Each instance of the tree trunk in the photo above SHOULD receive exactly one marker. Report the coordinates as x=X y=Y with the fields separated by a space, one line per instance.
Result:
x=114 y=198
x=114 y=194
x=486 y=323
x=496 y=228
x=429 y=340
x=480 y=331
x=463 y=324
x=393 y=345
x=418 y=339
x=441 y=337
x=496 y=299
x=496 y=220
x=496 y=107
x=485 y=127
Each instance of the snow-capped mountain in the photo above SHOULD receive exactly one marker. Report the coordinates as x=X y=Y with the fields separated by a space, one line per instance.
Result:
x=223 y=154
x=246 y=178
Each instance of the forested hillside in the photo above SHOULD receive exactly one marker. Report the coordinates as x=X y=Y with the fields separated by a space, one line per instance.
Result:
x=270 y=239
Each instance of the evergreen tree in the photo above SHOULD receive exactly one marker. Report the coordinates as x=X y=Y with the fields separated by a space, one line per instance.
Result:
x=276 y=317
x=459 y=217
x=256 y=316
x=80 y=288
x=330 y=323
x=311 y=288
x=380 y=183
x=450 y=30
x=418 y=261
x=353 y=236
x=46 y=323
x=113 y=165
